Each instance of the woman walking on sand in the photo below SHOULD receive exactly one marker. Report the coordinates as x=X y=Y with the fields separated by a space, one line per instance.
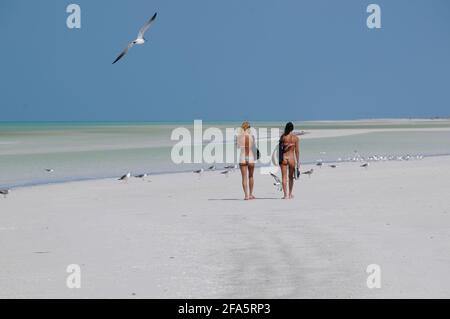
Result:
x=288 y=158
x=245 y=143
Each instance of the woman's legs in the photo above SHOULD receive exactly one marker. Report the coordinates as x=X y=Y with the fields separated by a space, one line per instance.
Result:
x=291 y=179
x=244 y=169
x=251 y=169
x=284 y=178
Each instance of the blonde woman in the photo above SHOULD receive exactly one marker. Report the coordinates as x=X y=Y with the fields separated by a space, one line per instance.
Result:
x=245 y=143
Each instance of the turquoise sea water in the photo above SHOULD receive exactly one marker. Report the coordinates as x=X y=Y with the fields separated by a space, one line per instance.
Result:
x=97 y=150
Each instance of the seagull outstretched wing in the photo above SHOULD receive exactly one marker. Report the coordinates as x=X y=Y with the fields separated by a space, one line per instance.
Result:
x=146 y=27
x=275 y=177
x=121 y=55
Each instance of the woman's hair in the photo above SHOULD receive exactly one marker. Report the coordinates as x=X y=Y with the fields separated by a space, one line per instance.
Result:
x=288 y=129
x=245 y=126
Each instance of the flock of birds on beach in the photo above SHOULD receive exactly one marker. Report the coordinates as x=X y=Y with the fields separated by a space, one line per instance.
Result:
x=364 y=163
x=227 y=169
x=128 y=175
x=224 y=171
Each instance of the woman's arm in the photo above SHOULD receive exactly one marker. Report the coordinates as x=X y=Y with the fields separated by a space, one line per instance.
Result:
x=297 y=151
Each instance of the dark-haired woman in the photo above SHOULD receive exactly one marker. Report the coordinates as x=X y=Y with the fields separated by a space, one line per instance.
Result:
x=289 y=158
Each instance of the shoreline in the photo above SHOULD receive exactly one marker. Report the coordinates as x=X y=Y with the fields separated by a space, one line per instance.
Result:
x=78 y=154
x=78 y=180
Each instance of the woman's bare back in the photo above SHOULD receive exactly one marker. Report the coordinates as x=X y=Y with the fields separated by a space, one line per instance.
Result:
x=289 y=144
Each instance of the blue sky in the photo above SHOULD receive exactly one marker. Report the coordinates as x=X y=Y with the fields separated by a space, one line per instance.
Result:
x=224 y=60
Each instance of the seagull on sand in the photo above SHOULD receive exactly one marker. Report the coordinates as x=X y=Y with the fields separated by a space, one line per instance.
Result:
x=49 y=170
x=225 y=173
x=365 y=165
x=125 y=177
x=199 y=171
x=139 y=40
x=4 y=192
x=309 y=173
x=333 y=166
x=212 y=167
x=143 y=176
x=277 y=181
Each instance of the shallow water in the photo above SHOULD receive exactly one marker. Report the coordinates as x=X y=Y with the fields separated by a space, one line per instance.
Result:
x=96 y=150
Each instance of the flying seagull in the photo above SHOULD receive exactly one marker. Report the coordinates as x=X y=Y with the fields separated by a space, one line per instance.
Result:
x=277 y=181
x=4 y=192
x=275 y=177
x=139 y=40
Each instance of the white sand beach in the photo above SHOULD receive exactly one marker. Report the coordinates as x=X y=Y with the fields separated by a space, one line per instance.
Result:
x=181 y=236
x=174 y=92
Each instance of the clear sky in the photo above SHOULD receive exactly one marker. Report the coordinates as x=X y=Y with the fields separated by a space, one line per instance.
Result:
x=224 y=60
